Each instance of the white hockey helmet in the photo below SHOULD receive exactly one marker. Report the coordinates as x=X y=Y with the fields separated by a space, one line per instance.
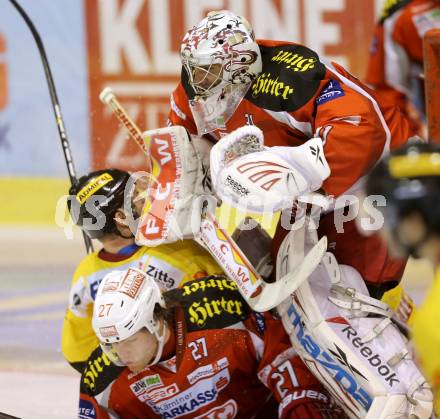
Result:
x=125 y=304
x=221 y=38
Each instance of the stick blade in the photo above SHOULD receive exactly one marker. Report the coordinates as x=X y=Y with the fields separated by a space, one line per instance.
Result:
x=275 y=293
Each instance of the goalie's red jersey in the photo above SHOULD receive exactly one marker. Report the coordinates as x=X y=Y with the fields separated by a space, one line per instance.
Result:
x=297 y=97
x=228 y=362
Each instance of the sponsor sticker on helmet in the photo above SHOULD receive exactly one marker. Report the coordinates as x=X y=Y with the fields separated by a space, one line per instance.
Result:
x=108 y=331
x=92 y=187
x=132 y=283
x=110 y=286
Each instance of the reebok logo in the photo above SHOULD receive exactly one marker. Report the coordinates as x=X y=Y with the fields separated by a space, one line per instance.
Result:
x=342 y=357
x=236 y=186
x=315 y=353
x=316 y=151
x=373 y=358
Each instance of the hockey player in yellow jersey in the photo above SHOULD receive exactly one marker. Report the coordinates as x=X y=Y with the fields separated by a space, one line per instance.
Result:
x=410 y=181
x=97 y=206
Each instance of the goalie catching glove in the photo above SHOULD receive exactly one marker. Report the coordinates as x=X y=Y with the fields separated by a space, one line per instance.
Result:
x=256 y=178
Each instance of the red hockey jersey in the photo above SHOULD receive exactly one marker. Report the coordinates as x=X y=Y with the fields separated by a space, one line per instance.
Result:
x=396 y=54
x=228 y=363
x=296 y=97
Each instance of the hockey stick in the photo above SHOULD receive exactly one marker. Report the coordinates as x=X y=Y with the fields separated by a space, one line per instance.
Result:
x=109 y=98
x=6 y=416
x=56 y=107
x=260 y=295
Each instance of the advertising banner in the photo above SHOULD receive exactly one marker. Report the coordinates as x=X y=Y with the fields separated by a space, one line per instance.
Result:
x=132 y=46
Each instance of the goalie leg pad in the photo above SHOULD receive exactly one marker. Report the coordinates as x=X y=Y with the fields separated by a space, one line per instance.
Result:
x=368 y=374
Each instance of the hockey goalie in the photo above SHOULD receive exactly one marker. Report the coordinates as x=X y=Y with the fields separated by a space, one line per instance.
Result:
x=347 y=339
x=351 y=342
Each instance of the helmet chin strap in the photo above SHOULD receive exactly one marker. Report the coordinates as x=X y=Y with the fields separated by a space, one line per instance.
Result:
x=160 y=344
x=131 y=224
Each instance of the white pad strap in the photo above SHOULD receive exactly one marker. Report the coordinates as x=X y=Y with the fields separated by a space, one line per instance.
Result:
x=376 y=330
x=357 y=301
x=398 y=357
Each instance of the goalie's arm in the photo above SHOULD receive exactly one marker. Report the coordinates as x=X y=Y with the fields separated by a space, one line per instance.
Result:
x=355 y=133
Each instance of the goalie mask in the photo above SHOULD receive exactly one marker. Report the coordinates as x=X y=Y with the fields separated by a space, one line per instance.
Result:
x=124 y=305
x=95 y=199
x=410 y=181
x=220 y=58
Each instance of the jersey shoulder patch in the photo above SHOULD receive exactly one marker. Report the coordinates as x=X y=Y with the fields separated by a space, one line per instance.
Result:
x=98 y=373
x=290 y=77
x=213 y=302
x=390 y=7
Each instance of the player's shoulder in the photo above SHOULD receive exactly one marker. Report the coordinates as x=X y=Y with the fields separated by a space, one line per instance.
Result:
x=277 y=56
x=212 y=302
x=180 y=92
x=88 y=264
x=391 y=7
x=291 y=75
x=181 y=248
x=101 y=260
x=99 y=373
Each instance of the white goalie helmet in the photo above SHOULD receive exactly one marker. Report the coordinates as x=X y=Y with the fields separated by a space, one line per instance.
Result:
x=221 y=38
x=124 y=304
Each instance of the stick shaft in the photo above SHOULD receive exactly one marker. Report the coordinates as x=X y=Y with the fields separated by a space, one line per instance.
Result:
x=108 y=97
x=56 y=106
